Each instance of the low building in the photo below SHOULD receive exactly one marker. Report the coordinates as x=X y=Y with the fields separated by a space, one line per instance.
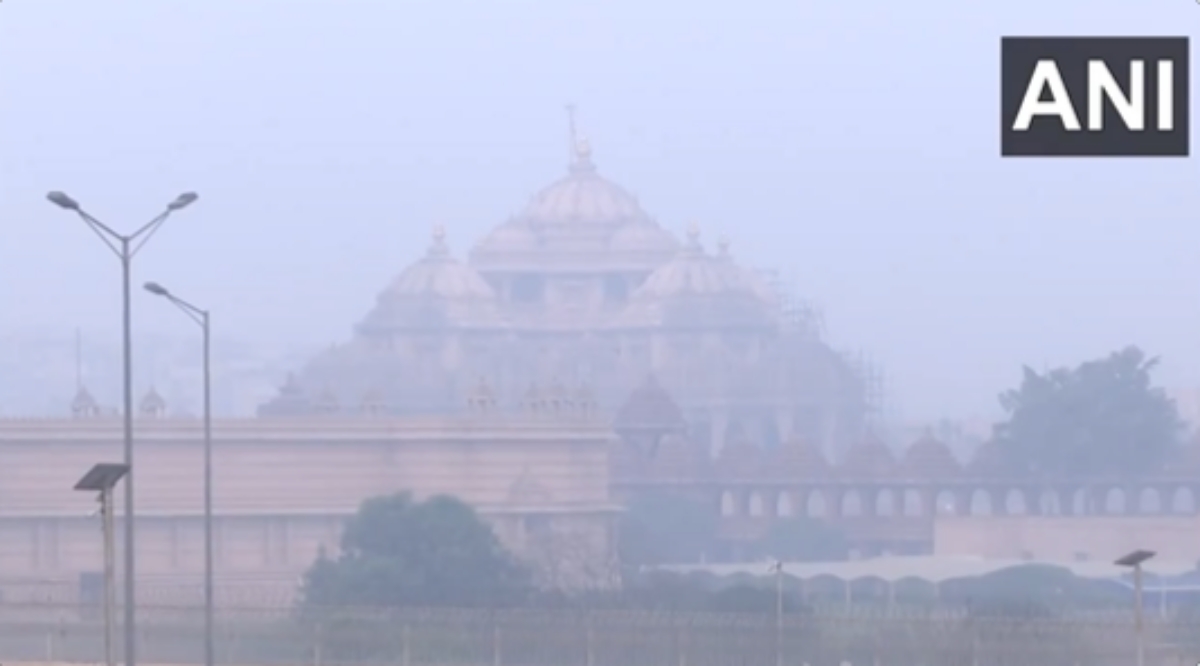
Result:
x=283 y=489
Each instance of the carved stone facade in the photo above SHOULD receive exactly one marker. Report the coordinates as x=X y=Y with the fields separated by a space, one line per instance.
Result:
x=882 y=502
x=283 y=488
x=583 y=286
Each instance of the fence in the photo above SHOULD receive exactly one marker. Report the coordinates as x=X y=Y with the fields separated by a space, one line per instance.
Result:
x=174 y=635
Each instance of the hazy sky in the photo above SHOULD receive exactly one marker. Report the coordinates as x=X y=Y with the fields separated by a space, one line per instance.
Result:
x=854 y=145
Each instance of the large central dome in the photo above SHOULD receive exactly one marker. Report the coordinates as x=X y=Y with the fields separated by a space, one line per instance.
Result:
x=583 y=197
x=582 y=222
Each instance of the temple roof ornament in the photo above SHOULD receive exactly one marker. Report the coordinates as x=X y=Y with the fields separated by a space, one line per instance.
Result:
x=84 y=405
x=649 y=411
x=153 y=405
x=532 y=403
x=585 y=401
x=582 y=156
x=482 y=399
x=558 y=399
x=928 y=457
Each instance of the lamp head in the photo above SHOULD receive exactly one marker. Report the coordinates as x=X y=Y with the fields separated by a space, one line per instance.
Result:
x=183 y=201
x=1135 y=559
x=63 y=201
x=156 y=289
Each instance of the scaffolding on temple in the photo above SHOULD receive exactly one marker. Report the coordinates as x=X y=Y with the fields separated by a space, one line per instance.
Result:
x=797 y=316
x=874 y=383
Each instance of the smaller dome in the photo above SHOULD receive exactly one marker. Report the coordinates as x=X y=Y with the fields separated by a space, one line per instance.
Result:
x=511 y=237
x=798 y=459
x=696 y=273
x=929 y=458
x=644 y=238
x=439 y=275
x=870 y=457
x=649 y=410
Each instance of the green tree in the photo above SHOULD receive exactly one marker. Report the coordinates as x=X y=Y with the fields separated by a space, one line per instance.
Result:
x=397 y=552
x=803 y=539
x=1102 y=417
x=666 y=528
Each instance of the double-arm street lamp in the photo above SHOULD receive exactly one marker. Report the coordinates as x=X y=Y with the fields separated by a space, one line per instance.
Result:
x=126 y=247
x=201 y=317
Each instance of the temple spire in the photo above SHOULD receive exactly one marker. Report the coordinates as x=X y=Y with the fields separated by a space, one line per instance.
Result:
x=572 y=135
x=580 y=153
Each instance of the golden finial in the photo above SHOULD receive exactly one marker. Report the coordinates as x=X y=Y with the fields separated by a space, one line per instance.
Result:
x=693 y=232
x=583 y=149
x=439 y=233
x=723 y=244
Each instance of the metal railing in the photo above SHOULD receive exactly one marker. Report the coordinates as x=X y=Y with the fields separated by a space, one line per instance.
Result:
x=31 y=632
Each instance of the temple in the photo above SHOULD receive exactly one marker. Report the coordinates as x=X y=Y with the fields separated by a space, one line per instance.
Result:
x=581 y=357
x=584 y=287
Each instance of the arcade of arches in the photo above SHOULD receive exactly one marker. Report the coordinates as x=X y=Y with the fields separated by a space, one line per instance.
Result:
x=881 y=501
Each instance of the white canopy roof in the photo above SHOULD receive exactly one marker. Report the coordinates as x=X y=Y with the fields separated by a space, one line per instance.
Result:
x=929 y=568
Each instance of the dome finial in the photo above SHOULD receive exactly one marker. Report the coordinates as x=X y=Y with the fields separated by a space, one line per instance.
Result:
x=583 y=149
x=437 y=247
x=581 y=158
x=723 y=245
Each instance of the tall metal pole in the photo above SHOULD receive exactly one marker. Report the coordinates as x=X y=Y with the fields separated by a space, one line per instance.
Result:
x=110 y=583
x=202 y=318
x=209 y=647
x=126 y=246
x=1137 y=615
x=779 y=614
x=127 y=381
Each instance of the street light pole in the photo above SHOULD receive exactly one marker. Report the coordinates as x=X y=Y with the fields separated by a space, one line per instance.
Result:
x=101 y=479
x=777 y=568
x=126 y=247
x=202 y=318
x=1135 y=560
